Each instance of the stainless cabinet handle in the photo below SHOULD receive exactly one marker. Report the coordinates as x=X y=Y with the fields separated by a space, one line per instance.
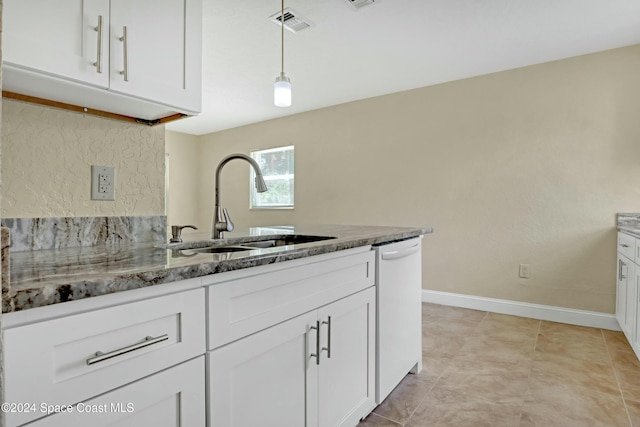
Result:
x=123 y=39
x=101 y=357
x=401 y=253
x=328 y=347
x=624 y=245
x=317 y=353
x=98 y=63
x=620 y=275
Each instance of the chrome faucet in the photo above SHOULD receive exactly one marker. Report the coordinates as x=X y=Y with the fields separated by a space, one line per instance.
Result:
x=221 y=220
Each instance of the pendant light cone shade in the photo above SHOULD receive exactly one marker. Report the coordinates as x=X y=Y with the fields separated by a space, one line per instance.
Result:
x=282 y=85
x=282 y=91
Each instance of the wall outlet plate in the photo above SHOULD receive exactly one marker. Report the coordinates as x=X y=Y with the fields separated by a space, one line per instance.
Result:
x=103 y=182
x=524 y=271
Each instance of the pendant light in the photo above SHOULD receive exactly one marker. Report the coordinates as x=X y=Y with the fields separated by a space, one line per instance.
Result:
x=282 y=85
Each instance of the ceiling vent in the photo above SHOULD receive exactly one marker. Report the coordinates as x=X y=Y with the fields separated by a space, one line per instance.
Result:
x=360 y=3
x=293 y=21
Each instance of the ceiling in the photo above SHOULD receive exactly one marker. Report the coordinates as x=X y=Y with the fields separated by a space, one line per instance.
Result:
x=392 y=45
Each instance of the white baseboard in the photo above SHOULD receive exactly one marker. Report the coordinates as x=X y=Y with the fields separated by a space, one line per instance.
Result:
x=551 y=313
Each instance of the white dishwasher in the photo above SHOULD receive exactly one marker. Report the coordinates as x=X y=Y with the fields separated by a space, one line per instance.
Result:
x=399 y=307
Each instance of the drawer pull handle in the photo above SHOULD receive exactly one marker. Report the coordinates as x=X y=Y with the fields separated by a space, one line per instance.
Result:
x=624 y=245
x=328 y=347
x=620 y=265
x=101 y=357
x=317 y=353
x=125 y=54
x=98 y=63
x=401 y=253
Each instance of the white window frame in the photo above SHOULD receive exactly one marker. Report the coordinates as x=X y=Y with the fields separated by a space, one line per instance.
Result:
x=267 y=178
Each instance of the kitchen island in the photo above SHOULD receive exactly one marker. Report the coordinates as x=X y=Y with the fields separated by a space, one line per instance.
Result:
x=283 y=335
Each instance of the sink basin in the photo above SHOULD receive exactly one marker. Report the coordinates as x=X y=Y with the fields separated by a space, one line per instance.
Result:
x=245 y=243
x=220 y=249
x=284 y=240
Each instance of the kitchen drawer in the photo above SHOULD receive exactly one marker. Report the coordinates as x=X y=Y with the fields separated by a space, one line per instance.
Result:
x=627 y=245
x=246 y=305
x=56 y=361
x=174 y=397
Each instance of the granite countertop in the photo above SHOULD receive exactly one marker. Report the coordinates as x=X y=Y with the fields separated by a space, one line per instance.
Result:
x=629 y=223
x=45 y=277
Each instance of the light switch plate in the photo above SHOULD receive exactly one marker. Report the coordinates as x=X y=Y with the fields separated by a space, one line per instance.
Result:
x=103 y=182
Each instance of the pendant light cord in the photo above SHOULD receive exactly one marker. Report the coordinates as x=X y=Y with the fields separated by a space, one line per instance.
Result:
x=282 y=34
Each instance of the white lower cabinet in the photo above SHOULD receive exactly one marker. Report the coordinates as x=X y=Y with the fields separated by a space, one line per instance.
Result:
x=316 y=369
x=628 y=289
x=171 y=398
x=624 y=289
x=61 y=361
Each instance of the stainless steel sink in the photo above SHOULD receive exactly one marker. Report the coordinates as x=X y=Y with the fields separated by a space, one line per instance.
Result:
x=245 y=243
x=292 y=239
x=220 y=249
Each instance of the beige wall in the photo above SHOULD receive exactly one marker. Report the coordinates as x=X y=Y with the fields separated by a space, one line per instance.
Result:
x=523 y=166
x=48 y=155
x=183 y=205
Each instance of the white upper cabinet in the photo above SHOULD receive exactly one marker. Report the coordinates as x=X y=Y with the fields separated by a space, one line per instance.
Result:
x=76 y=52
x=159 y=59
x=58 y=38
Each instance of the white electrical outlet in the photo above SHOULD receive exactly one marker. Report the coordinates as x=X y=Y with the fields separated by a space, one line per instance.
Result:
x=524 y=271
x=103 y=182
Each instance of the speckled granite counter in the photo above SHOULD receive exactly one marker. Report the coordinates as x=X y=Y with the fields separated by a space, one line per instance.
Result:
x=45 y=277
x=629 y=223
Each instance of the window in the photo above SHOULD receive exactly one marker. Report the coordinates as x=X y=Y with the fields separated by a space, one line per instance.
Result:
x=277 y=168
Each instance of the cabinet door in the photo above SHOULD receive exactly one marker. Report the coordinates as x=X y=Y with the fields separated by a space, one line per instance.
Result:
x=171 y=398
x=635 y=342
x=347 y=363
x=267 y=379
x=621 y=291
x=630 y=309
x=160 y=57
x=59 y=38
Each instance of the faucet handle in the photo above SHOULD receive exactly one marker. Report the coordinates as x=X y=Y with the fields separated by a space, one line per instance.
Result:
x=228 y=225
x=176 y=231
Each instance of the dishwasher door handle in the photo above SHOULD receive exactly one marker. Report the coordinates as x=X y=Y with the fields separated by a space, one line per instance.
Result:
x=401 y=253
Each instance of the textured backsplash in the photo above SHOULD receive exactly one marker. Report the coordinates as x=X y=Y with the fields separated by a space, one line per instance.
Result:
x=49 y=233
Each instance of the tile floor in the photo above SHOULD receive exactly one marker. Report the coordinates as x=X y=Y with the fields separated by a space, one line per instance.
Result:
x=487 y=369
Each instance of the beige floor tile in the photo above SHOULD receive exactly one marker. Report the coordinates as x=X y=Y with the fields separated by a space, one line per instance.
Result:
x=629 y=383
x=487 y=369
x=552 y=402
x=456 y=408
x=508 y=320
x=432 y=367
x=624 y=359
x=440 y=346
x=441 y=312
x=487 y=351
x=374 y=420
x=508 y=328
x=446 y=337
x=616 y=341
x=570 y=330
x=634 y=412
x=403 y=400
x=582 y=346
x=596 y=376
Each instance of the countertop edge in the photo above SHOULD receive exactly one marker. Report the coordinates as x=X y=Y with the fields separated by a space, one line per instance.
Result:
x=630 y=231
x=73 y=289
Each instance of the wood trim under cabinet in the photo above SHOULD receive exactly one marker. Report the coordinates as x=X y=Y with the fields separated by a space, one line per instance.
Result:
x=84 y=110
